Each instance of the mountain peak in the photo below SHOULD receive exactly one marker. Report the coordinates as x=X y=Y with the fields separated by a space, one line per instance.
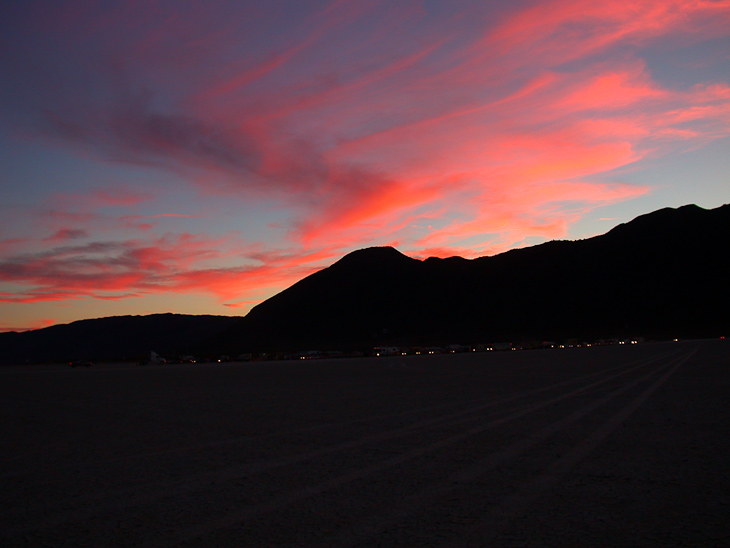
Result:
x=659 y=222
x=661 y=275
x=377 y=256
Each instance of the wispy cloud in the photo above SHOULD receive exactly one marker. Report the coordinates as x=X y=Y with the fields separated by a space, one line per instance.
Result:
x=174 y=263
x=66 y=234
x=464 y=129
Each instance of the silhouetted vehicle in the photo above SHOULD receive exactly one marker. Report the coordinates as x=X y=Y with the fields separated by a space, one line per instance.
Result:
x=80 y=363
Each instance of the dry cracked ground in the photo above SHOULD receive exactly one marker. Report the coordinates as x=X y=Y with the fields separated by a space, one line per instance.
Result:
x=625 y=446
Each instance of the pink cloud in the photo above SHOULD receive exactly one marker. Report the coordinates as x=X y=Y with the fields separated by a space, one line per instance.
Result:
x=560 y=31
x=544 y=210
x=463 y=131
x=66 y=234
x=174 y=263
x=630 y=86
x=98 y=268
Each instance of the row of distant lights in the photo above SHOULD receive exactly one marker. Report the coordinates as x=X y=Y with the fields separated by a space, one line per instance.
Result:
x=513 y=348
x=589 y=344
x=473 y=350
x=418 y=353
x=490 y=348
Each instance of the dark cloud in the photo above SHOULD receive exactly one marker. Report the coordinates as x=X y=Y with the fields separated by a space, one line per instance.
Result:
x=132 y=131
x=110 y=270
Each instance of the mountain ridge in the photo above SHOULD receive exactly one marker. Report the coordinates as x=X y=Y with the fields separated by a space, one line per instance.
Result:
x=659 y=275
x=112 y=338
x=641 y=277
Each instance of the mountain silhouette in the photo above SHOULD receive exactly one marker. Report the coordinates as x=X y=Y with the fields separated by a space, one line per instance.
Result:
x=112 y=338
x=661 y=275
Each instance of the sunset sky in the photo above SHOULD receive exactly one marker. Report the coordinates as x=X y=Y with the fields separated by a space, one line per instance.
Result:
x=198 y=157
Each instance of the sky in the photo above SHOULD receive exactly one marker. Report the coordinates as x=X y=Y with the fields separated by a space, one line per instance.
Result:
x=199 y=157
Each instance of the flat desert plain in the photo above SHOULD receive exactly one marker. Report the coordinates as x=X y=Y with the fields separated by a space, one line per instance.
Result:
x=624 y=446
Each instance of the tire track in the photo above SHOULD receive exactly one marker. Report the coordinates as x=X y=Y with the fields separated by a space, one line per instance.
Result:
x=423 y=497
x=319 y=427
x=478 y=407
x=110 y=503
x=485 y=532
x=375 y=525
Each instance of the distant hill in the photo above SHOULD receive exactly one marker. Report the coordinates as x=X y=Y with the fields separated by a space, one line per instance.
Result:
x=118 y=337
x=662 y=275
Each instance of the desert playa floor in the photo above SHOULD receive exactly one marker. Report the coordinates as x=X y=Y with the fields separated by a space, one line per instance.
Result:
x=625 y=446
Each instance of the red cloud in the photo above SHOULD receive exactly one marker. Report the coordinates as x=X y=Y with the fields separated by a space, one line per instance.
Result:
x=396 y=138
x=99 y=268
x=560 y=30
x=611 y=89
x=370 y=123
x=169 y=264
